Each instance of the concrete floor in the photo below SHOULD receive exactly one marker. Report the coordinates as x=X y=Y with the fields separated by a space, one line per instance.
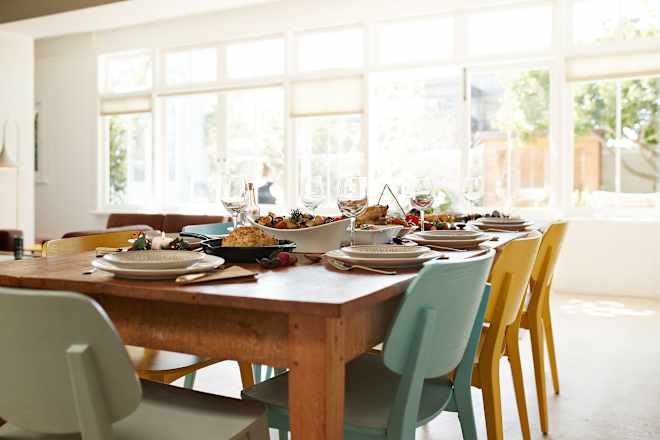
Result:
x=609 y=367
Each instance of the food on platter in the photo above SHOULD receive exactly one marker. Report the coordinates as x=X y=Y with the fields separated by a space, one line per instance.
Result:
x=377 y=215
x=296 y=220
x=281 y=259
x=249 y=236
x=142 y=243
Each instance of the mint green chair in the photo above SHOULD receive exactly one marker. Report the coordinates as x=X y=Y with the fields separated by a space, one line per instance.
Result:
x=209 y=229
x=436 y=331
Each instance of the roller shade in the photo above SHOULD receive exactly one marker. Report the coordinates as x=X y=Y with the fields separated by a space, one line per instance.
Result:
x=613 y=66
x=337 y=96
x=125 y=105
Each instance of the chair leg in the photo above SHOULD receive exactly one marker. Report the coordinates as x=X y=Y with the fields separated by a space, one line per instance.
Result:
x=189 y=380
x=536 y=335
x=552 y=354
x=283 y=435
x=465 y=411
x=490 y=388
x=246 y=375
x=513 y=351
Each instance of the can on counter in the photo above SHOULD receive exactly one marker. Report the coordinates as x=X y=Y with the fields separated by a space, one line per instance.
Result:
x=18 y=248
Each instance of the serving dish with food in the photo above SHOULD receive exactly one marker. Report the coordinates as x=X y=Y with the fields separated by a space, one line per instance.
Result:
x=378 y=215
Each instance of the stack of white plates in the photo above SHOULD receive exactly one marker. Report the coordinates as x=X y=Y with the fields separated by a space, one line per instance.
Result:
x=384 y=255
x=502 y=223
x=156 y=264
x=456 y=239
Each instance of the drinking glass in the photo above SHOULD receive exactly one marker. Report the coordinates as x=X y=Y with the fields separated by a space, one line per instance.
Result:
x=352 y=199
x=421 y=197
x=473 y=190
x=312 y=192
x=234 y=196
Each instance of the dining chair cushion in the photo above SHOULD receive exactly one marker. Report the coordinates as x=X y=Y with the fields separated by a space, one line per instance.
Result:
x=171 y=413
x=370 y=393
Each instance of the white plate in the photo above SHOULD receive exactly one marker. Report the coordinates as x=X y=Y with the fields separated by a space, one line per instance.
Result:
x=380 y=234
x=448 y=234
x=154 y=259
x=503 y=220
x=512 y=228
x=338 y=254
x=316 y=239
x=456 y=244
x=384 y=251
x=209 y=263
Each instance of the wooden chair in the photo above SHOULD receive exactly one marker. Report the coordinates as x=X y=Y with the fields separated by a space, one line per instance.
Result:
x=157 y=365
x=509 y=278
x=436 y=330
x=536 y=316
x=68 y=377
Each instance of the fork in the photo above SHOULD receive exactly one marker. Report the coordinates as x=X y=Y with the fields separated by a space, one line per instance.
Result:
x=343 y=266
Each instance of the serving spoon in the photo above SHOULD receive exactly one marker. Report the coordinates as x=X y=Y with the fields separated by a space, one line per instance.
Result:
x=345 y=267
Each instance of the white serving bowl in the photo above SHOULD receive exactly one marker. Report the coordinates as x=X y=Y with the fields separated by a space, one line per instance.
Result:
x=317 y=239
x=380 y=234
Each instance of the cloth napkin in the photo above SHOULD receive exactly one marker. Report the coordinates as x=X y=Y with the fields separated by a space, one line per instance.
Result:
x=229 y=273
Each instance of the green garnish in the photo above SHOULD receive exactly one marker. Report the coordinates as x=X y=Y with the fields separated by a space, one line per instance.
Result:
x=296 y=215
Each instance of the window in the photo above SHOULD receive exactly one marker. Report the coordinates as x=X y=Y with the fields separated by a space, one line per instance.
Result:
x=513 y=30
x=415 y=128
x=191 y=66
x=510 y=118
x=416 y=40
x=335 y=49
x=127 y=140
x=126 y=72
x=596 y=21
x=616 y=148
x=255 y=58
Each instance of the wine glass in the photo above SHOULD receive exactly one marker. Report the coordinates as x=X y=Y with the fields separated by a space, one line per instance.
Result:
x=312 y=192
x=473 y=190
x=233 y=196
x=352 y=199
x=421 y=197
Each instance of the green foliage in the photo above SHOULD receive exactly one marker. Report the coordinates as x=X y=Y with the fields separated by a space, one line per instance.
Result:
x=117 y=160
x=526 y=110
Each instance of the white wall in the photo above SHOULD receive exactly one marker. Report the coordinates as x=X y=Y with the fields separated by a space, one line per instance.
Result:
x=17 y=107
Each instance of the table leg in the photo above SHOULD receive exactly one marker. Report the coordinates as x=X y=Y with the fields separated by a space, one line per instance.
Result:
x=316 y=381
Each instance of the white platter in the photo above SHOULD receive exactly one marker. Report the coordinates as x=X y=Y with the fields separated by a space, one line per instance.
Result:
x=512 y=228
x=448 y=234
x=384 y=251
x=380 y=234
x=316 y=239
x=154 y=259
x=394 y=263
x=209 y=263
x=450 y=243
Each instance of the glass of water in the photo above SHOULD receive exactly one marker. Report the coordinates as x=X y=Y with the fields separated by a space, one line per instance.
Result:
x=234 y=196
x=473 y=190
x=352 y=199
x=312 y=192
x=421 y=197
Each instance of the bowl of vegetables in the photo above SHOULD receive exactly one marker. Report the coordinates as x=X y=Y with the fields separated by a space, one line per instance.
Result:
x=311 y=233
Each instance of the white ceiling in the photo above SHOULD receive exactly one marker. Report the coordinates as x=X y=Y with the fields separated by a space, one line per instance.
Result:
x=120 y=14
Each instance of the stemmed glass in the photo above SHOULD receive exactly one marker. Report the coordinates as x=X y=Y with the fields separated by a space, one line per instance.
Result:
x=352 y=199
x=473 y=190
x=234 y=196
x=312 y=192
x=421 y=197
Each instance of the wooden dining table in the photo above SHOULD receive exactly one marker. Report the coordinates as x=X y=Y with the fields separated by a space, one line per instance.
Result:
x=309 y=318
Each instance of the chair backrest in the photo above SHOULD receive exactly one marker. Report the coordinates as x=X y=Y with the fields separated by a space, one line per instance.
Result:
x=509 y=279
x=208 y=229
x=452 y=292
x=74 y=245
x=43 y=386
x=546 y=260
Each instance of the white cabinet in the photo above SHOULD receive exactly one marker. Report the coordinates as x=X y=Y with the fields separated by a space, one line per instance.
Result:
x=8 y=194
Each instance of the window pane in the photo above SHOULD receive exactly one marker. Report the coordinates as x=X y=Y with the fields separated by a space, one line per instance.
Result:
x=128 y=145
x=510 y=117
x=415 y=122
x=609 y=159
x=255 y=58
x=191 y=130
x=127 y=72
x=609 y=20
x=518 y=30
x=191 y=66
x=339 y=49
x=330 y=147
x=416 y=40
x=254 y=136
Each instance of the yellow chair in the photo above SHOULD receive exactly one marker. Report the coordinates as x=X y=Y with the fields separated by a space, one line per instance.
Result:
x=536 y=317
x=509 y=278
x=156 y=365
